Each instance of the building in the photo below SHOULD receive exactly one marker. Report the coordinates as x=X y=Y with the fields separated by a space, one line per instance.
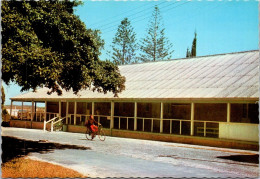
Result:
x=209 y=100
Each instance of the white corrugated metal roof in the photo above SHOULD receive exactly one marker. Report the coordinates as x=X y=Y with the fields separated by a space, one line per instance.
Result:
x=234 y=75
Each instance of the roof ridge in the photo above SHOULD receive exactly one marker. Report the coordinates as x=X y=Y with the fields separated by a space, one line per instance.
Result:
x=191 y=57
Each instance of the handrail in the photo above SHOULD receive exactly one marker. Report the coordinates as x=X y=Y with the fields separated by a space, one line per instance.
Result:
x=45 y=122
x=59 y=120
x=53 y=123
x=51 y=120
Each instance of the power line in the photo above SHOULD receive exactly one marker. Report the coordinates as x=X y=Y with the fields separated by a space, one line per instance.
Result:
x=147 y=16
x=94 y=24
x=116 y=21
x=134 y=21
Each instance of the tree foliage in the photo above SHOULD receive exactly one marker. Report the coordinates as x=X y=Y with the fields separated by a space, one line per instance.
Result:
x=194 y=46
x=193 y=51
x=45 y=44
x=124 y=44
x=2 y=97
x=188 y=53
x=4 y=111
x=155 y=46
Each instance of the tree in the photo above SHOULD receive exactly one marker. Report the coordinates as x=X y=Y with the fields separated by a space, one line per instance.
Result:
x=194 y=45
x=188 y=53
x=155 y=46
x=45 y=45
x=2 y=97
x=124 y=44
x=4 y=111
x=193 y=52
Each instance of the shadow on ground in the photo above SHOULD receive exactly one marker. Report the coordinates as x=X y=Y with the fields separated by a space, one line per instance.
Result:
x=13 y=147
x=242 y=158
x=253 y=159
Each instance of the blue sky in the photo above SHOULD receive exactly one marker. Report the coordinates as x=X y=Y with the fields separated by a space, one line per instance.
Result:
x=221 y=26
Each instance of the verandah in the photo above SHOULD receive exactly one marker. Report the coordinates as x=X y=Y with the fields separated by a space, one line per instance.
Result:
x=195 y=119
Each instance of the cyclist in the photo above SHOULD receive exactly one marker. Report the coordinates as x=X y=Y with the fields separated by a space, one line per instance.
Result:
x=91 y=124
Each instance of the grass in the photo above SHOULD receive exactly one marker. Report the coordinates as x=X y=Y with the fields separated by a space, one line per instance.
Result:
x=27 y=168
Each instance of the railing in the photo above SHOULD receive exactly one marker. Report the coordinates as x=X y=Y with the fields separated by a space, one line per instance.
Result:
x=80 y=116
x=211 y=130
x=148 y=125
x=103 y=119
x=123 y=118
x=45 y=123
x=50 y=115
x=53 y=122
x=37 y=116
x=180 y=125
x=173 y=126
x=80 y=119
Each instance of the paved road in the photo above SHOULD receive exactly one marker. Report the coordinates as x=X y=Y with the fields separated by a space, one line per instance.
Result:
x=121 y=157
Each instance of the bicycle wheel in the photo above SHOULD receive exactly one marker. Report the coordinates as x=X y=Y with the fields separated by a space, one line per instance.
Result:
x=88 y=134
x=102 y=135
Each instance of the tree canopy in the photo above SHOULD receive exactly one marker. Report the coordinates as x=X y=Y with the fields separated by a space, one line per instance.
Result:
x=155 y=46
x=124 y=44
x=194 y=46
x=193 y=51
x=2 y=97
x=45 y=45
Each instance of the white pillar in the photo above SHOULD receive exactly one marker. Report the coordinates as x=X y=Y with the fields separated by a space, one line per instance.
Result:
x=135 y=117
x=59 y=109
x=192 y=120
x=32 y=111
x=75 y=112
x=44 y=125
x=93 y=108
x=112 y=115
x=22 y=112
x=228 y=111
x=51 y=126
x=45 y=115
x=161 y=119
x=35 y=110
x=11 y=109
x=67 y=111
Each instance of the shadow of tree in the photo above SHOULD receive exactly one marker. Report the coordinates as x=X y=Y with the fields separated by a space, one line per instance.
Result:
x=13 y=147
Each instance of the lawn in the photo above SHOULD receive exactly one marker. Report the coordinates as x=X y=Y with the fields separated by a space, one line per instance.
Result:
x=28 y=168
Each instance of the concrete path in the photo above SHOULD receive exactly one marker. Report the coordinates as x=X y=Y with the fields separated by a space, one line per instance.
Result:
x=121 y=157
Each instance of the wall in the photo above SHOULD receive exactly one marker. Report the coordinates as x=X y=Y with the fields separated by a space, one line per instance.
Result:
x=28 y=124
x=82 y=129
x=188 y=140
x=239 y=131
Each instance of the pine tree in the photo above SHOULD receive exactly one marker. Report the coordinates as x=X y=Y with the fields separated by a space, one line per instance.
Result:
x=194 y=45
x=155 y=46
x=124 y=44
x=188 y=54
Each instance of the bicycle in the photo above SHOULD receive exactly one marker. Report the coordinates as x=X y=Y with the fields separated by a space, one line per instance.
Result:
x=100 y=133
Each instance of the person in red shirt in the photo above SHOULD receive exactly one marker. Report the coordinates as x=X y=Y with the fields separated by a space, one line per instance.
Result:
x=91 y=124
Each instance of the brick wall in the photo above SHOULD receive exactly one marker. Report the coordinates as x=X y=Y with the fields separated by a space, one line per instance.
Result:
x=28 y=124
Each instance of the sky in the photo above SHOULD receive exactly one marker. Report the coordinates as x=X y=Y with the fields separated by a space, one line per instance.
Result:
x=221 y=26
